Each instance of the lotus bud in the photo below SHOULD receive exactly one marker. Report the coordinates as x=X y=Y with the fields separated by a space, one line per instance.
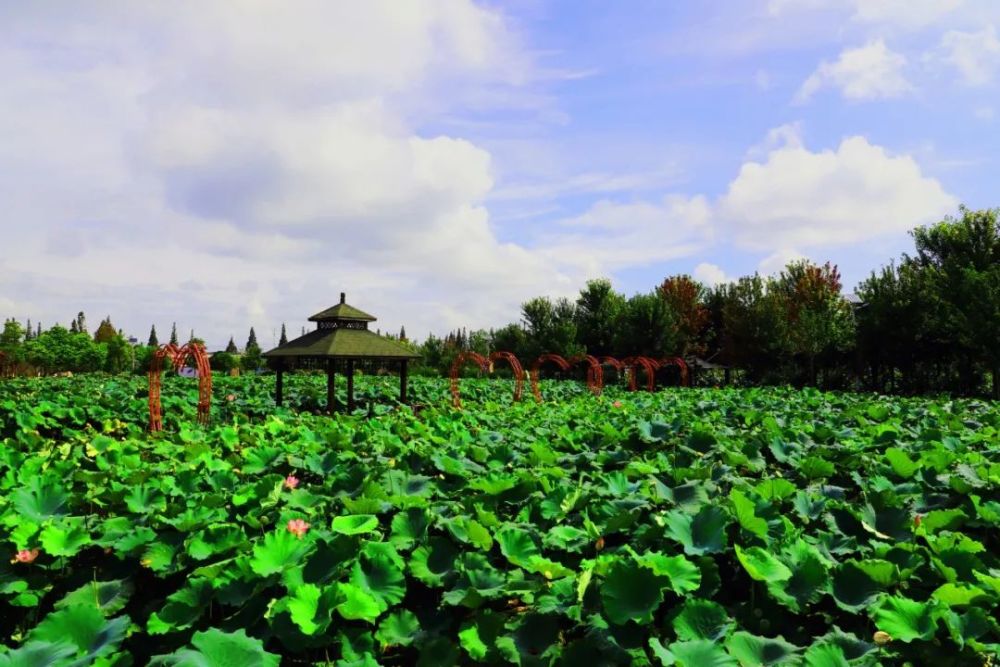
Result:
x=882 y=638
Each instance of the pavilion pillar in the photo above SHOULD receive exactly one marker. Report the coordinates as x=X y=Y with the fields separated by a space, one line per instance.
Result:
x=402 y=381
x=278 y=383
x=331 y=387
x=350 y=386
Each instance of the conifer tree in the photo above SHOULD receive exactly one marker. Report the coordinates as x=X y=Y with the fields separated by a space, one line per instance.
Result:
x=173 y=334
x=81 y=323
x=231 y=348
x=402 y=334
x=73 y=327
x=38 y=332
x=105 y=332
x=29 y=333
x=153 y=340
x=284 y=338
x=252 y=340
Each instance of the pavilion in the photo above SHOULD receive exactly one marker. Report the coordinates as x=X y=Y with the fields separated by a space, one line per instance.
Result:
x=341 y=335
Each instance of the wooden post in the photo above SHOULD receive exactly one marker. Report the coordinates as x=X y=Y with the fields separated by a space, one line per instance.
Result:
x=331 y=387
x=402 y=381
x=278 y=384
x=350 y=386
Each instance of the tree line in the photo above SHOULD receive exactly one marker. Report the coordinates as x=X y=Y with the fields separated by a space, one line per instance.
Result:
x=927 y=322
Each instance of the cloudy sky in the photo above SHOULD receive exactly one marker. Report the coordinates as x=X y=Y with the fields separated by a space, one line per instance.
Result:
x=227 y=164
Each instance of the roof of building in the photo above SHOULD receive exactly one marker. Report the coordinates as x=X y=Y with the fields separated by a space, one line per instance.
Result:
x=343 y=344
x=342 y=311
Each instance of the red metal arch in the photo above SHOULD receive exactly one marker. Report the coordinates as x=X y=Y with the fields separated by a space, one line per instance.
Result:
x=456 y=366
x=535 y=367
x=680 y=363
x=595 y=374
x=178 y=357
x=614 y=363
x=647 y=364
x=515 y=366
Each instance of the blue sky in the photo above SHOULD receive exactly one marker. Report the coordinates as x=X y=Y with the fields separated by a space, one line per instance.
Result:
x=442 y=161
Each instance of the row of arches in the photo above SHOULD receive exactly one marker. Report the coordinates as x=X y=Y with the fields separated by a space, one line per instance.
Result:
x=595 y=370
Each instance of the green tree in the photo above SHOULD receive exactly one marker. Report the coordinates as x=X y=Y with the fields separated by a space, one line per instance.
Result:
x=231 y=347
x=550 y=327
x=648 y=328
x=598 y=316
x=153 y=340
x=754 y=329
x=81 y=323
x=60 y=350
x=284 y=337
x=686 y=297
x=818 y=318
x=173 y=335
x=12 y=336
x=223 y=361
x=119 y=355
x=252 y=341
x=105 y=332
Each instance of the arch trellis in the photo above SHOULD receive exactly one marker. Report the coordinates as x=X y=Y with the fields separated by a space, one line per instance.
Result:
x=536 y=367
x=648 y=365
x=515 y=366
x=682 y=365
x=178 y=357
x=595 y=374
x=456 y=366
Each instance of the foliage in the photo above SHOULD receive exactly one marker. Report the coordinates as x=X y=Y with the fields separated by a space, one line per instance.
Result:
x=687 y=527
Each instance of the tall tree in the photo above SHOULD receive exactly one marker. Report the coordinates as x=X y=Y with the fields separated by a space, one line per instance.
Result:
x=402 y=333
x=173 y=334
x=648 y=328
x=598 y=316
x=252 y=341
x=686 y=299
x=105 y=332
x=74 y=327
x=29 y=332
x=153 y=340
x=12 y=335
x=284 y=337
x=231 y=347
x=81 y=323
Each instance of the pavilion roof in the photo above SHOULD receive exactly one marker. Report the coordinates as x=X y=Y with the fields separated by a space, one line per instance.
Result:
x=343 y=344
x=342 y=311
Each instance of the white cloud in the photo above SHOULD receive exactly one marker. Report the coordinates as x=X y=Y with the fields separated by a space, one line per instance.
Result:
x=613 y=235
x=868 y=72
x=800 y=198
x=911 y=14
x=777 y=261
x=709 y=274
x=974 y=55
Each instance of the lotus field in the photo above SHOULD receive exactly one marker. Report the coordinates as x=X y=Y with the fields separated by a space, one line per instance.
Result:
x=688 y=527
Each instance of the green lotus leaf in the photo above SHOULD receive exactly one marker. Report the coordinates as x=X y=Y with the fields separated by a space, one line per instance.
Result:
x=380 y=576
x=398 y=629
x=971 y=625
x=40 y=654
x=215 y=648
x=40 y=500
x=354 y=524
x=434 y=562
x=744 y=509
x=83 y=626
x=470 y=531
x=701 y=619
x=438 y=652
x=518 y=545
x=762 y=565
x=358 y=604
x=901 y=462
x=145 y=499
x=409 y=527
x=825 y=654
x=852 y=588
x=216 y=539
x=936 y=520
x=278 y=551
x=64 y=538
x=310 y=607
x=753 y=651
x=631 y=592
x=479 y=635
x=683 y=575
x=905 y=619
x=109 y=597
x=809 y=581
x=701 y=653
x=701 y=533
x=959 y=595
x=183 y=608
x=775 y=489
x=661 y=652
x=566 y=538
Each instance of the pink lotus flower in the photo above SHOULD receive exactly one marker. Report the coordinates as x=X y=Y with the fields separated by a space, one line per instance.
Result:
x=298 y=527
x=25 y=556
x=291 y=482
x=231 y=397
x=617 y=404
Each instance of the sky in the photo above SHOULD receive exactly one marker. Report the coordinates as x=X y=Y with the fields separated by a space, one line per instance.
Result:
x=224 y=165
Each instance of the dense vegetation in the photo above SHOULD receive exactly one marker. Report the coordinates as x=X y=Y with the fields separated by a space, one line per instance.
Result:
x=688 y=527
